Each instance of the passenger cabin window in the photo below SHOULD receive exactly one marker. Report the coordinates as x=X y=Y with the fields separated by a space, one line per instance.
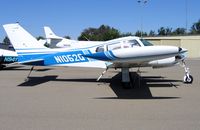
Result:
x=119 y=45
x=124 y=44
x=114 y=46
x=100 y=49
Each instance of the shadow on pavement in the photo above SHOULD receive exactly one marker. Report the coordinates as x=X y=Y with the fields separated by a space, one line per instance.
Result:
x=140 y=90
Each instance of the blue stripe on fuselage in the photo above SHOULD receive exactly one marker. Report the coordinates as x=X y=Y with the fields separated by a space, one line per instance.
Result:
x=55 y=58
x=105 y=56
x=66 y=58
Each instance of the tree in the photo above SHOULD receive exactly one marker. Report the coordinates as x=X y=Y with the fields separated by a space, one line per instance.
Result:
x=103 y=33
x=195 y=29
x=152 y=33
x=179 y=31
x=164 y=31
x=126 y=34
x=140 y=34
x=168 y=31
x=6 y=41
x=161 y=31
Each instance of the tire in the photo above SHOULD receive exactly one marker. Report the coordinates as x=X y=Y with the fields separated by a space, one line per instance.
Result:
x=188 y=79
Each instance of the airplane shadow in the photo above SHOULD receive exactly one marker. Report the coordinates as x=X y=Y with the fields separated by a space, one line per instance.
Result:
x=141 y=90
x=34 y=81
x=7 y=68
x=22 y=68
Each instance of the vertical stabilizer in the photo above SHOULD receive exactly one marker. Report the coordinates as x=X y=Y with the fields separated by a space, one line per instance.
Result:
x=55 y=41
x=21 y=39
x=50 y=34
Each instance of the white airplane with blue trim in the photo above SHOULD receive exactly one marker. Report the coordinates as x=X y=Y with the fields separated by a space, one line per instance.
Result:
x=7 y=57
x=55 y=41
x=123 y=53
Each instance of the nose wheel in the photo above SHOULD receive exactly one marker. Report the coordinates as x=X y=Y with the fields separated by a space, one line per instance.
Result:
x=188 y=79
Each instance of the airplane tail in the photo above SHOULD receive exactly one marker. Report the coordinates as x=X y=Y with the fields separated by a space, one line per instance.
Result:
x=51 y=37
x=50 y=34
x=21 y=39
x=55 y=41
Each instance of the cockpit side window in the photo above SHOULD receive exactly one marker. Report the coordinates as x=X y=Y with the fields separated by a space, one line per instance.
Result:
x=134 y=43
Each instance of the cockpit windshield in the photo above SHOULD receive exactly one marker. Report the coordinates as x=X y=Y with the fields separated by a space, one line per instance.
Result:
x=146 y=43
x=133 y=43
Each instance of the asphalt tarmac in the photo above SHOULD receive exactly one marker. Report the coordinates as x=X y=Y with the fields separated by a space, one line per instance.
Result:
x=70 y=98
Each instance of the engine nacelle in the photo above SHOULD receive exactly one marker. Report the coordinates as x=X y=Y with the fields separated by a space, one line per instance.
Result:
x=168 y=62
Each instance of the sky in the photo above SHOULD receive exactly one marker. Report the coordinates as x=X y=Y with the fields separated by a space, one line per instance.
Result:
x=71 y=17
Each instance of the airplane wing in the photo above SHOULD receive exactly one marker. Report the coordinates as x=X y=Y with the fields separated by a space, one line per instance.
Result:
x=33 y=62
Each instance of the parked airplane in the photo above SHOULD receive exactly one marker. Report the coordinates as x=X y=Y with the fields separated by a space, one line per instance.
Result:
x=124 y=53
x=55 y=41
x=7 y=57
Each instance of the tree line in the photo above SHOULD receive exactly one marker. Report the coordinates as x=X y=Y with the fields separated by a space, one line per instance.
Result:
x=105 y=32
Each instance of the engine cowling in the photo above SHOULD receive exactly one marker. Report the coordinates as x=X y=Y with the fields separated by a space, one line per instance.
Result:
x=167 y=62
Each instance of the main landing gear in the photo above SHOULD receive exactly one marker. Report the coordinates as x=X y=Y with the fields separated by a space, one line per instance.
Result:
x=126 y=78
x=188 y=79
x=27 y=78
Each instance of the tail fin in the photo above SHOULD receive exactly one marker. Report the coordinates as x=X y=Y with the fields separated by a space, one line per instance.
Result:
x=21 y=39
x=55 y=41
x=51 y=38
x=50 y=34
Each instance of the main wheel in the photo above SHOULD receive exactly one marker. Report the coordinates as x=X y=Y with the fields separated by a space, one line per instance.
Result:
x=188 y=79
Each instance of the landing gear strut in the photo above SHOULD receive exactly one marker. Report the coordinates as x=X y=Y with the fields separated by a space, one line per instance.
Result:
x=130 y=80
x=126 y=78
x=188 y=79
x=27 y=78
x=102 y=74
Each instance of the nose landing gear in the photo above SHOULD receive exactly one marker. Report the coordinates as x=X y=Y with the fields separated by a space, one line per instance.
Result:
x=188 y=79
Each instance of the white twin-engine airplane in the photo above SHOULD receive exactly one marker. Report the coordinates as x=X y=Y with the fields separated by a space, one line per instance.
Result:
x=55 y=41
x=124 y=53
